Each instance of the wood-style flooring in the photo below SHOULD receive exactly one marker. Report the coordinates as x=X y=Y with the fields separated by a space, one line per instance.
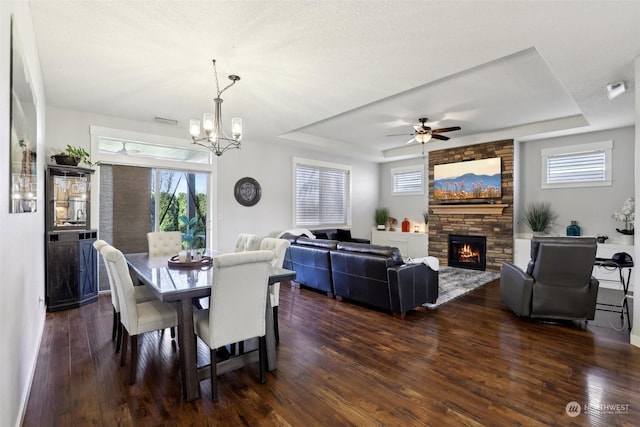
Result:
x=470 y=362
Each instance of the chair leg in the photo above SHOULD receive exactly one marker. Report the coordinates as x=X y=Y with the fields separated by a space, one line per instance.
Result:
x=123 y=351
x=173 y=332
x=262 y=349
x=134 y=359
x=276 y=331
x=241 y=347
x=214 y=376
x=119 y=335
x=114 y=327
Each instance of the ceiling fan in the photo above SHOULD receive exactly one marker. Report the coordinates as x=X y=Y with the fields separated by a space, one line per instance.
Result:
x=124 y=150
x=424 y=133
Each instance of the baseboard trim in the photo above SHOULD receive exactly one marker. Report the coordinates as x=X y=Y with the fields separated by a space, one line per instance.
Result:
x=24 y=401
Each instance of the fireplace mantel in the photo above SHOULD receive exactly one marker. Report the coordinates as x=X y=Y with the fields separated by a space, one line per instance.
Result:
x=482 y=209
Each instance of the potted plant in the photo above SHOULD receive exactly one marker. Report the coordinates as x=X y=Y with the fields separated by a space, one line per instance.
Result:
x=382 y=216
x=539 y=216
x=72 y=156
x=189 y=235
x=425 y=216
x=627 y=215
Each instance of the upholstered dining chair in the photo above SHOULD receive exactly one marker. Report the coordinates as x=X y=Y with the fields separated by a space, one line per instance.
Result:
x=142 y=294
x=164 y=243
x=279 y=248
x=136 y=317
x=237 y=306
x=247 y=242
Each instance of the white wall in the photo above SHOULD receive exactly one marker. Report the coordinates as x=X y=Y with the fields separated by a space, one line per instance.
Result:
x=269 y=162
x=592 y=207
x=22 y=249
x=400 y=207
x=635 y=331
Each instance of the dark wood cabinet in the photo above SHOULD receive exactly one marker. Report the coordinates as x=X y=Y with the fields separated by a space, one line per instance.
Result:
x=71 y=272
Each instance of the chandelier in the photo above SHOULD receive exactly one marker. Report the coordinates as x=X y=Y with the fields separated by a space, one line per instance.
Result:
x=215 y=139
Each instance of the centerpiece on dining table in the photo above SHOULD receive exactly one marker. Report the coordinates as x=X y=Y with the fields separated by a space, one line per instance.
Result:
x=190 y=256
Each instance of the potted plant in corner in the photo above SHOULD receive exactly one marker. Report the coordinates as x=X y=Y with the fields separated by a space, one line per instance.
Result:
x=539 y=216
x=72 y=156
x=382 y=216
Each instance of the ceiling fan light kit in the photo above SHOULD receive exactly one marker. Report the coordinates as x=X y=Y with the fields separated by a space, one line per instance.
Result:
x=215 y=139
x=423 y=133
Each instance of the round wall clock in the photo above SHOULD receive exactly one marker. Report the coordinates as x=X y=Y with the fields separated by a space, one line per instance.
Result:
x=247 y=191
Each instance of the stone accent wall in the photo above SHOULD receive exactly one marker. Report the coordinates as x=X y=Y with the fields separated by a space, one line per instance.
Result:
x=497 y=228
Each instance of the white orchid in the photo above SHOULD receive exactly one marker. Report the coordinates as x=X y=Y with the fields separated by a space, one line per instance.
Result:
x=627 y=215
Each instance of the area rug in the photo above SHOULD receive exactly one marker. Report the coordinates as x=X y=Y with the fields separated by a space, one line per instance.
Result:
x=455 y=282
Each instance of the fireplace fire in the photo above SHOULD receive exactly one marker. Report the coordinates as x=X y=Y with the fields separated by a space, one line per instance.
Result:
x=468 y=252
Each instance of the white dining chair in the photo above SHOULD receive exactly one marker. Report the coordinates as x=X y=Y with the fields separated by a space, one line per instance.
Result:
x=279 y=248
x=142 y=294
x=164 y=243
x=237 y=306
x=247 y=242
x=136 y=317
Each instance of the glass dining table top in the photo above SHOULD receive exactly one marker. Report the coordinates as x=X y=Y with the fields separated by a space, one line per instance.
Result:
x=171 y=283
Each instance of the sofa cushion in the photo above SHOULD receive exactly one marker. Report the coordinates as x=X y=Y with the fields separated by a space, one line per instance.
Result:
x=343 y=235
x=318 y=243
x=384 y=251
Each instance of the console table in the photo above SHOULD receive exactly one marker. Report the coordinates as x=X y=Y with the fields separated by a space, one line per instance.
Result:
x=411 y=245
x=619 y=266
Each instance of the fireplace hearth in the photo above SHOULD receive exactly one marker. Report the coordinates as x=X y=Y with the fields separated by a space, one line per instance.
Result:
x=468 y=252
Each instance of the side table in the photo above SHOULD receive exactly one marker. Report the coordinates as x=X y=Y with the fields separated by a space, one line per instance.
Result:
x=623 y=309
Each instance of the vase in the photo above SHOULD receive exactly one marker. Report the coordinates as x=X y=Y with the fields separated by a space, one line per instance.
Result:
x=573 y=229
x=626 y=239
x=66 y=160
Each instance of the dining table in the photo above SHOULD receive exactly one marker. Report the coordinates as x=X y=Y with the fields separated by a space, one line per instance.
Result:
x=180 y=285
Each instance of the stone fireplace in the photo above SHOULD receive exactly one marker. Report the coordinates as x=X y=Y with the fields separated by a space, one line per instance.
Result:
x=468 y=252
x=493 y=220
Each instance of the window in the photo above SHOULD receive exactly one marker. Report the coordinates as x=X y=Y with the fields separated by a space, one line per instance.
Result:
x=175 y=193
x=407 y=180
x=322 y=194
x=577 y=166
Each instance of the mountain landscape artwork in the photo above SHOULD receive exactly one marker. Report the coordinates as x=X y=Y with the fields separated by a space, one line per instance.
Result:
x=473 y=179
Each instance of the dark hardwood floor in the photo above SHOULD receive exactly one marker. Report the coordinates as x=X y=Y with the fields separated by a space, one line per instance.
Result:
x=470 y=362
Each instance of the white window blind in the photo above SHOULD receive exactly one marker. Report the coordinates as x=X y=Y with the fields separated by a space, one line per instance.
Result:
x=322 y=196
x=588 y=165
x=579 y=167
x=408 y=180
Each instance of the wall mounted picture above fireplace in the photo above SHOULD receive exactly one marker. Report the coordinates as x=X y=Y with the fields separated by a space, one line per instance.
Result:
x=468 y=180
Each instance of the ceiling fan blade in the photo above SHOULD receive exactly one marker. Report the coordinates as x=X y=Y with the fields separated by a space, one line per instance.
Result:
x=441 y=137
x=410 y=141
x=401 y=134
x=446 y=129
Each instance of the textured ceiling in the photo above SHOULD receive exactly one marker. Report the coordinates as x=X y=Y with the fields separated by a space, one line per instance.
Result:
x=341 y=75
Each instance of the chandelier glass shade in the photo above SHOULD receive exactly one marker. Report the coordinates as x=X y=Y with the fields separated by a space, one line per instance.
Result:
x=215 y=139
x=423 y=137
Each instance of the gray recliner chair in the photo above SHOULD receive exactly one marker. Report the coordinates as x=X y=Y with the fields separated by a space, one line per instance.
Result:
x=558 y=282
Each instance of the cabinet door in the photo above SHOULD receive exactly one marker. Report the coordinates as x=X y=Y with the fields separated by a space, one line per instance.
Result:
x=62 y=273
x=87 y=269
